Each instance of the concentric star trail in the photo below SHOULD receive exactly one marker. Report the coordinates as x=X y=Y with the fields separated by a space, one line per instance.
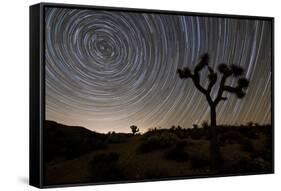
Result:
x=107 y=70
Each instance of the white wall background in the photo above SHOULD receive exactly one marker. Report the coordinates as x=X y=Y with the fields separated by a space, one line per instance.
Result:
x=14 y=88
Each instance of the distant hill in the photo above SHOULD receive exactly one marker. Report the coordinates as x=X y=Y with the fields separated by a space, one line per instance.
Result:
x=62 y=142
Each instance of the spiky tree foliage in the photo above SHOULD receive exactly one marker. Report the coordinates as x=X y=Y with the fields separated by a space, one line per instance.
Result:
x=223 y=73
x=134 y=129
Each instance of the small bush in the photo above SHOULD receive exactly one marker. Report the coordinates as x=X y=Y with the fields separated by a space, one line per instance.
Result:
x=248 y=165
x=231 y=137
x=198 y=133
x=247 y=145
x=158 y=141
x=177 y=152
x=199 y=160
x=266 y=153
x=205 y=125
x=105 y=167
x=250 y=132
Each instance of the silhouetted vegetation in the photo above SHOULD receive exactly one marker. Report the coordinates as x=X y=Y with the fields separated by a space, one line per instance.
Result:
x=159 y=140
x=75 y=153
x=246 y=164
x=225 y=71
x=105 y=167
x=134 y=129
x=200 y=160
x=177 y=152
x=205 y=124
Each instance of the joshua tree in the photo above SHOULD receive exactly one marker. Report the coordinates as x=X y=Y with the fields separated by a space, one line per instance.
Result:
x=134 y=129
x=224 y=72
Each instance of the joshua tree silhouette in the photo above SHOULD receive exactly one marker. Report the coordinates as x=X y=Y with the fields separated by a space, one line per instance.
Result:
x=225 y=71
x=134 y=129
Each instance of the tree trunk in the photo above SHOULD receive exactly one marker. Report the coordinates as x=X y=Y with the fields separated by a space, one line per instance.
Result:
x=214 y=146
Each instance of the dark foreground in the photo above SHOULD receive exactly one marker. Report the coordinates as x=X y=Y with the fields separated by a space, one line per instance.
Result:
x=77 y=155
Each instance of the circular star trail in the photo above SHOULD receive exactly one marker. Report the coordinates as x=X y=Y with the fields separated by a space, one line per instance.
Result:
x=107 y=70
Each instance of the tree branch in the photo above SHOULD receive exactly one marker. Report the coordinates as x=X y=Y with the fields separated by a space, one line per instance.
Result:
x=221 y=89
x=238 y=90
x=224 y=98
x=212 y=79
x=231 y=89
x=196 y=80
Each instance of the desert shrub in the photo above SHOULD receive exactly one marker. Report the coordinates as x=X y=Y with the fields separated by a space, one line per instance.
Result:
x=150 y=132
x=195 y=126
x=250 y=124
x=267 y=152
x=205 y=124
x=248 y=165
x=199 y=160
x=158 y=141
x=179 y=131
x=267 y=155
x=177 y=152
x=267 y=130
x=264 y=151
x=230 y=137
x=153 y=129
x=173 y=128
x=247 y=145
x=198 y=133
x=182 y=133
x=105 y=167
x=250 y=132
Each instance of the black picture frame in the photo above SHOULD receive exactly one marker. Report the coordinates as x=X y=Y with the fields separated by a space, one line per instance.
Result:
x=37 y=89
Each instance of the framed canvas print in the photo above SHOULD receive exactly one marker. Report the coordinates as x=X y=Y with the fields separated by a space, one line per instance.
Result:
x=123 y=95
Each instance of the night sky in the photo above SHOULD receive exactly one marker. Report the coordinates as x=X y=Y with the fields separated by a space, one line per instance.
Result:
x=109 y=70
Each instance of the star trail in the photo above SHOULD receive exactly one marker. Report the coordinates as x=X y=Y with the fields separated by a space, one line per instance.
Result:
x=107 y=70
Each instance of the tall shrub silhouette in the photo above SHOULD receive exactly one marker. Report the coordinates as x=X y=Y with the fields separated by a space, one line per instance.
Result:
x=223 y=73
x=134 y=129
